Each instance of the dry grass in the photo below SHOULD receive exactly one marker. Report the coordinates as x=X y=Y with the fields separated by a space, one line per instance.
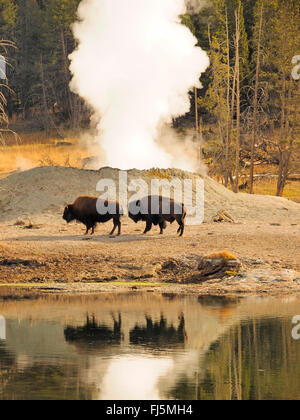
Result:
x=224 y=255
x=268 y=187
x=14 y=138
x=159 y=173
x=29 y=155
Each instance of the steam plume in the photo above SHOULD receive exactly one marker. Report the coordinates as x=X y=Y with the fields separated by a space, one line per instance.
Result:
x=134 y=66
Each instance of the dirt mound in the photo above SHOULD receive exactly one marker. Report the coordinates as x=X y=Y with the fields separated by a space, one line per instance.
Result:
x=42 y=192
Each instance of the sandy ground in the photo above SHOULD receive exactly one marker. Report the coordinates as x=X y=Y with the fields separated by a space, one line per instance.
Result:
x=54 y=256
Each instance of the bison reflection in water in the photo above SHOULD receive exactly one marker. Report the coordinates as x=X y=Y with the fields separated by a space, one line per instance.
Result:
x=159 y=334
x=93 y=334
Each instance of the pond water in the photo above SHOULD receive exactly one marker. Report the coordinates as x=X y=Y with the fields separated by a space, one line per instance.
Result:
x=148 y=346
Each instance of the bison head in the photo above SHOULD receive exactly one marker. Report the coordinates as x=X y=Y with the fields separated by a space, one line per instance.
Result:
x=135 y=217
x=68 y=215
x=133 y=211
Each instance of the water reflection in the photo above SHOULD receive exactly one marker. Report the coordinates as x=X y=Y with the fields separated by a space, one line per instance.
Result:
x=183 y=348
x=157 y=334
x=94 y=334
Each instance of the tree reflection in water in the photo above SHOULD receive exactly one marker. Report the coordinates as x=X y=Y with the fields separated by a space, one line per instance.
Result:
x=40 y=381
x=255 y=360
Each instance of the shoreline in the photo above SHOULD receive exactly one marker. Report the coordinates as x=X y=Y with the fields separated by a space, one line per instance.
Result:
x=218 y=288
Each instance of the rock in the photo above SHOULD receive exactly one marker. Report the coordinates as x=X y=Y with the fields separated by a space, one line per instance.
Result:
x=171 y=265
x=219 y=265
x=288 y=276
x=257 y=262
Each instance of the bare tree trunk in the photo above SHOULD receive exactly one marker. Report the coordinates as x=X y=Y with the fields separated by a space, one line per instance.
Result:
x=286 y=154
x=66 y=77
x=201 y=140
x=233 y=98
x=47 y=117
x=196 y=111
x=229 y=116
x=219 y=117
x=285 y=159
x=255 y=104
x=286 y=131
x=238 y=100
x=45 y=104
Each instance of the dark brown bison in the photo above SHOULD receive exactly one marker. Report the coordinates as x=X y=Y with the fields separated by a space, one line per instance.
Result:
x=157 y=210
x=86 y=211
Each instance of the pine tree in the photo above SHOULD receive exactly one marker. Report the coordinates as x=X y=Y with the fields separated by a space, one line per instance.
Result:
x=8 y=13
x=58 y=17
x=28 y=41
x=7 y=34
x=284 y=102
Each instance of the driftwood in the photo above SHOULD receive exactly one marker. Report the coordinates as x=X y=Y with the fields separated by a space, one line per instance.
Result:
x=223 y=216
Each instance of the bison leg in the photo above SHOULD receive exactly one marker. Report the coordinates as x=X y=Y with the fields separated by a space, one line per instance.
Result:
x=148 y=226
x=181 y=228
x=89 y=226
x=113 y=231
x=117 y=224
x=162 y=226
x=119 y=228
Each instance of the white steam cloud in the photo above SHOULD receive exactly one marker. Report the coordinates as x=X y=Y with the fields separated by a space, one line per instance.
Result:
x=134 y=66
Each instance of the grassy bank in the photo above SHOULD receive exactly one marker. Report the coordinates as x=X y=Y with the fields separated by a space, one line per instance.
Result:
x=25 y=156
x=268 y=187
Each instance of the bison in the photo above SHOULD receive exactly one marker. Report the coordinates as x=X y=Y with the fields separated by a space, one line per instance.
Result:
x=84 y=210
x=157 y=210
